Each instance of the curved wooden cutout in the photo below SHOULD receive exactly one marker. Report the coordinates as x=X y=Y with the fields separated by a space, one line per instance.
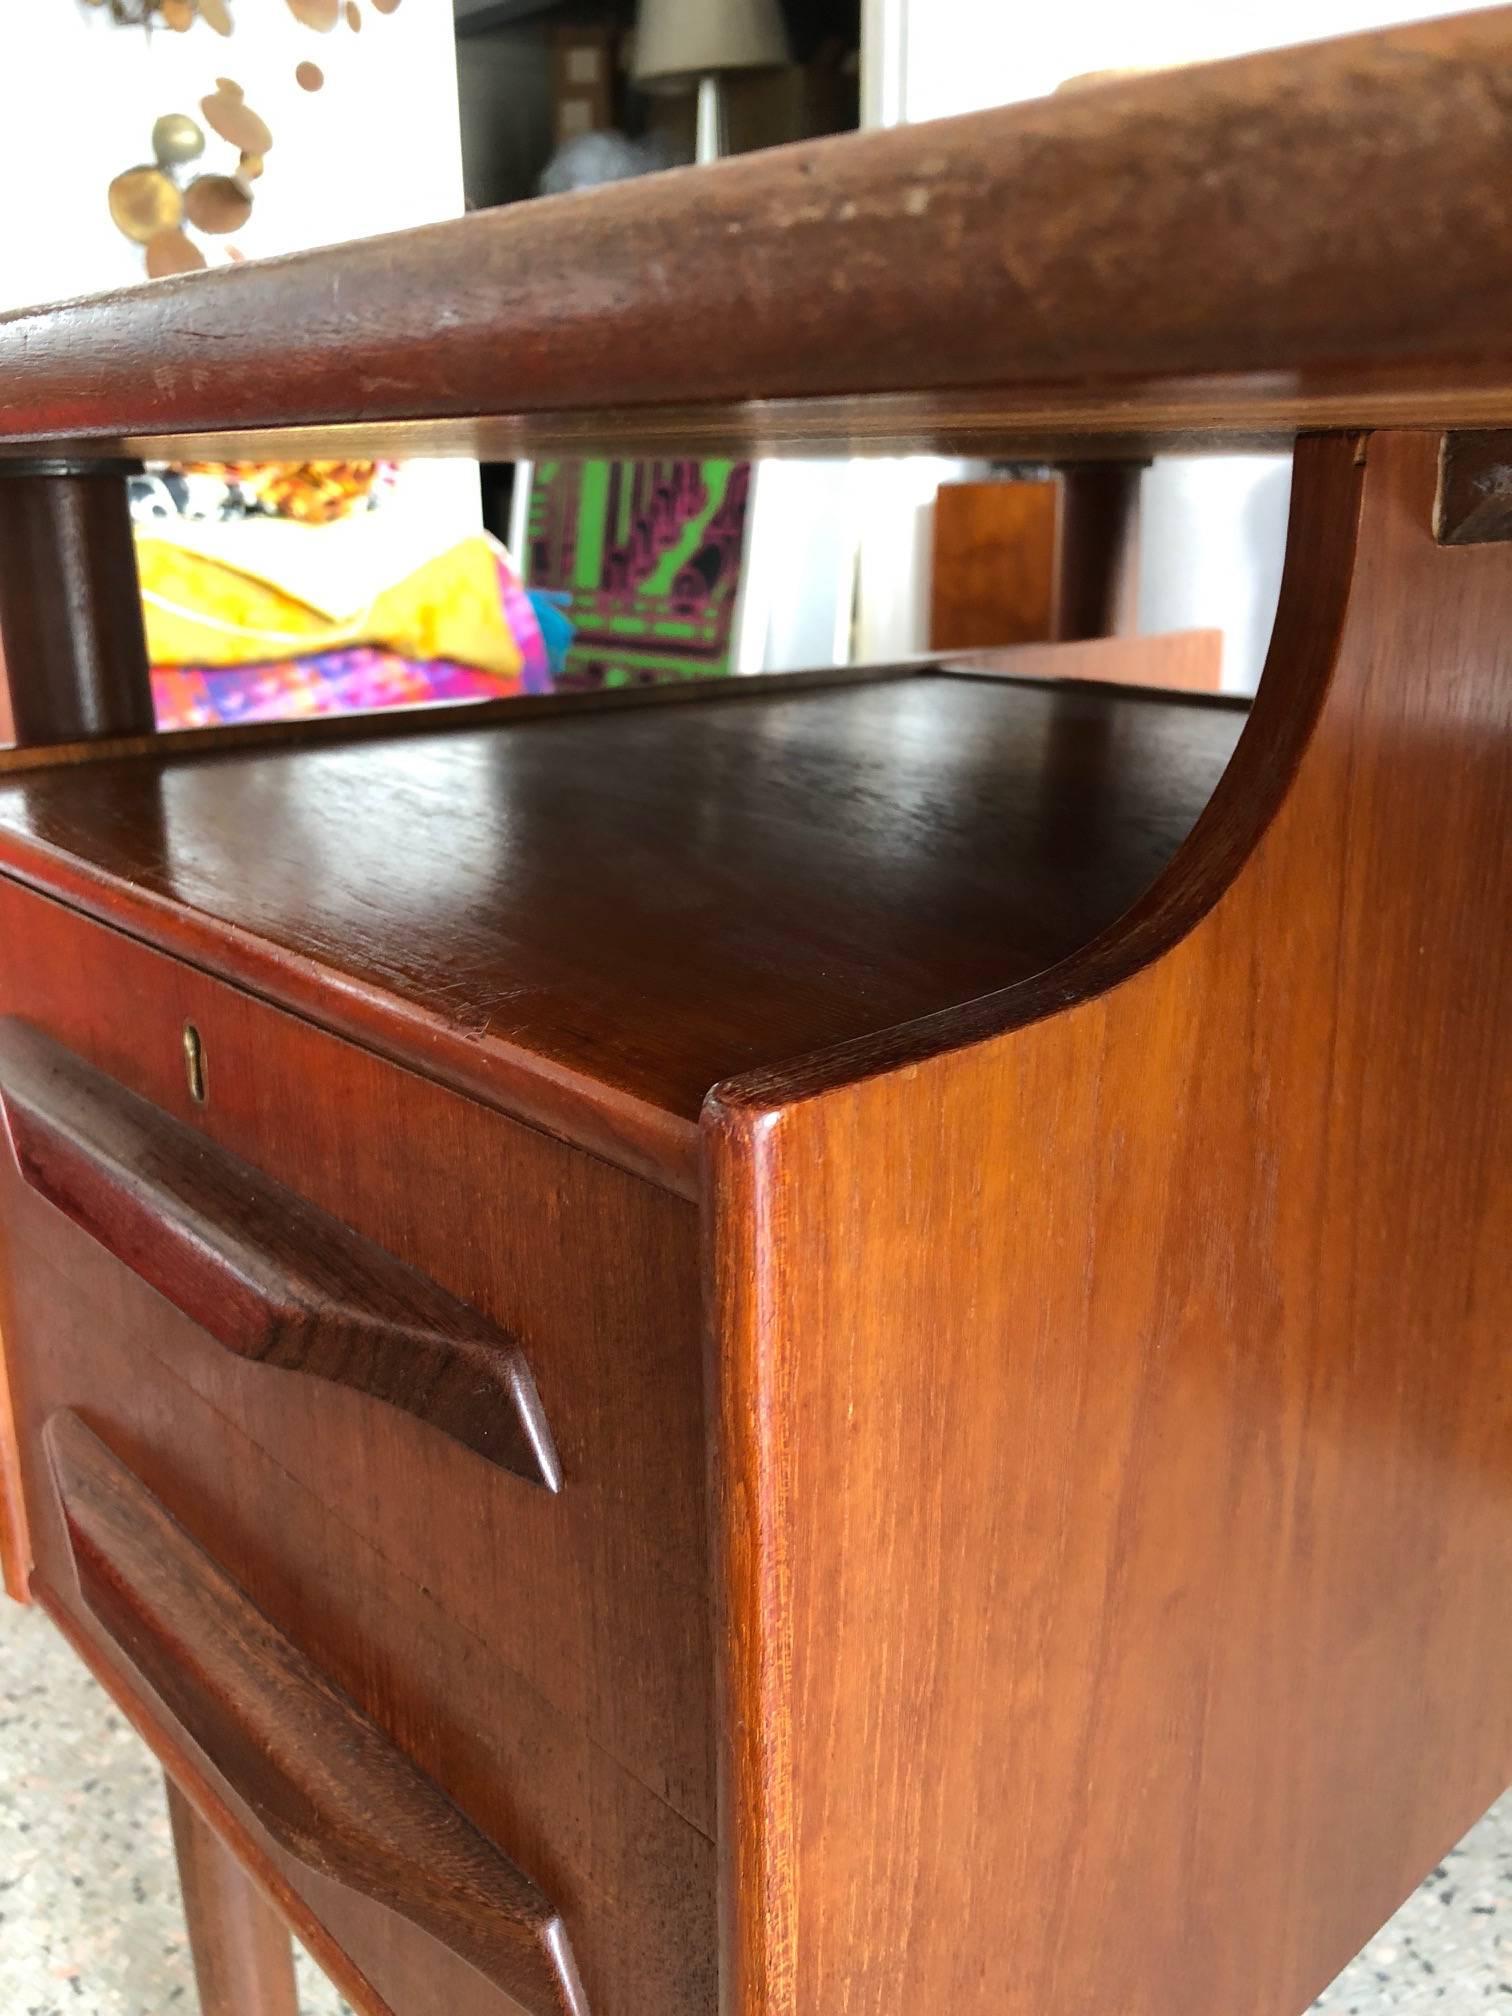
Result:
x=266 y=1274
x=1321 y=540
x=1161 y=1444
x=328 y=1785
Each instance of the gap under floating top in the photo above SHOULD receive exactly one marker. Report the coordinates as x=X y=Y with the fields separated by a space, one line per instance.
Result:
x=1212 y=256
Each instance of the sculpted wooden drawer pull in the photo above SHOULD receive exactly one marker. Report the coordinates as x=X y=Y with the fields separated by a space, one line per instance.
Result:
x=326 y=1783
x=268 y=1275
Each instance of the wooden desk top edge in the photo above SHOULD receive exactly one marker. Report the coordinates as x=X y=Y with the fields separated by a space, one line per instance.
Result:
x=1346 y=197
x=618 y=1124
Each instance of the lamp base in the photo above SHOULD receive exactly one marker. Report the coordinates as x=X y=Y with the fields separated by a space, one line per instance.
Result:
x=712 y=137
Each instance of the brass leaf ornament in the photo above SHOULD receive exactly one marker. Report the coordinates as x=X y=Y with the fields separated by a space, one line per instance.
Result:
x=172 y=252
x=217 y=204
x=143 y=202
x=148 y=203
x=236 y=122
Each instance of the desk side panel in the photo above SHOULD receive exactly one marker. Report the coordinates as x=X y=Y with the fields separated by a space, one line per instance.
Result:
x=1117 y=1433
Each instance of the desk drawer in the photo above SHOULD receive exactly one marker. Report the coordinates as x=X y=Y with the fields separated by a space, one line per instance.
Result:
x=238 y=1303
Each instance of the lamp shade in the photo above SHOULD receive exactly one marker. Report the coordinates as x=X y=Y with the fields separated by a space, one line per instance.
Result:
x=678 y=41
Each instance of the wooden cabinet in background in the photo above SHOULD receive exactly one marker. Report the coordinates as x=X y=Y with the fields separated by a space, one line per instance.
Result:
x=994 y=565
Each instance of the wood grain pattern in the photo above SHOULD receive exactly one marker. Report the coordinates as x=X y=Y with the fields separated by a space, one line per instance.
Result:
x=1311 y=180
x=1116 y=1599
x=243 y=1961
x=594 y=917
x=266 y=1274
x=70 y=614
x=993 y=565
x=324 y=1780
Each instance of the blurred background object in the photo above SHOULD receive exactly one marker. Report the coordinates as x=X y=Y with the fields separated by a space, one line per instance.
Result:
x=687 y=44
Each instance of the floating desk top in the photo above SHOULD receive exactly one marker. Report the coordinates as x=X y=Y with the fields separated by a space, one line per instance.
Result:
x=595 y=915
x=1227 y=254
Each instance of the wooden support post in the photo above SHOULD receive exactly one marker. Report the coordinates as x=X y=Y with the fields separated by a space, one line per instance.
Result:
x=71 y=636
x=1094 y=547
x=243 y=1961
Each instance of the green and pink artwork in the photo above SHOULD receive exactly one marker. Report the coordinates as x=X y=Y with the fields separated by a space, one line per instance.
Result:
x=649 y=554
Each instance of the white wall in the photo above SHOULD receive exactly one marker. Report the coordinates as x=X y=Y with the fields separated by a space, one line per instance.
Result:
x=1212 y=529
x=838 y=558
x=376 y=150
x=964 y=55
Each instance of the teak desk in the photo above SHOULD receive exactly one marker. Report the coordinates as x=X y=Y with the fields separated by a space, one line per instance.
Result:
x=823 y=1347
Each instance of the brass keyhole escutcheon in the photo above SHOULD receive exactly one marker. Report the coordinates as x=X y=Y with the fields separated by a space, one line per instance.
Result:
x=194 y=1063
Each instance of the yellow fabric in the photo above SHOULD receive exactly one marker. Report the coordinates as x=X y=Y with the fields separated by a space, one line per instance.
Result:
x=200 y=611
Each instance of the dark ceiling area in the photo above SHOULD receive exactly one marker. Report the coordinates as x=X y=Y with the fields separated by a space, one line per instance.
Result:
x=812 y=23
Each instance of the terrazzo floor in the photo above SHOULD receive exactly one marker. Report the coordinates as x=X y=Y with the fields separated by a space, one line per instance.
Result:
x=90 y=1921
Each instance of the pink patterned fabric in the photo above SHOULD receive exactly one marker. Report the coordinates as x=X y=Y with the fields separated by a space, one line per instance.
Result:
x=336 y=682
x=353 y=681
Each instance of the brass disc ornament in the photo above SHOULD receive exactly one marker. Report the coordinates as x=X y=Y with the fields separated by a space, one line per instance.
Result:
x=143 y=202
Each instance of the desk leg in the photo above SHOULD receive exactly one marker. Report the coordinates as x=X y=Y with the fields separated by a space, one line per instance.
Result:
x=243 y=1961
x=1096 y=551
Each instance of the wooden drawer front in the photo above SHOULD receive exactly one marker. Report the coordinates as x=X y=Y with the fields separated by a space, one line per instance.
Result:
x=540 y=1657
x=327 y=1784
x=267 y=1275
